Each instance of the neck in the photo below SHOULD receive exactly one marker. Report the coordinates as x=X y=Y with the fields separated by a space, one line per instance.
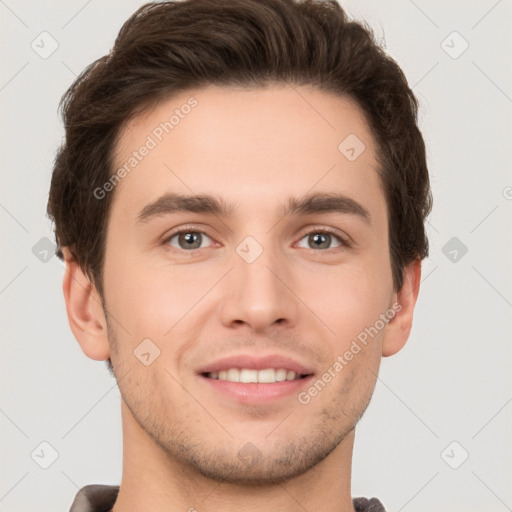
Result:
x=154 y=480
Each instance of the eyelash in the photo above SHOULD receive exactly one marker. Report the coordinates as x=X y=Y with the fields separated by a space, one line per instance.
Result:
x=324 y=230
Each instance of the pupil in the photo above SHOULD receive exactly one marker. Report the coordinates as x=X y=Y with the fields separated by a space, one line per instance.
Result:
x=321 y=238
x=191 y=240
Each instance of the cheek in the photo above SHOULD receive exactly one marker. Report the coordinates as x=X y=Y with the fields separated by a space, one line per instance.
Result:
x=150 y=299
x=351 y=298
x=133 y=295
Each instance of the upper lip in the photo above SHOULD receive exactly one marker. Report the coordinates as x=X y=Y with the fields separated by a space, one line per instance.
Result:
x=256 y=363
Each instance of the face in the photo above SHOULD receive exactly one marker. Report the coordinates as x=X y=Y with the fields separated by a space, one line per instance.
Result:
x=261 y=271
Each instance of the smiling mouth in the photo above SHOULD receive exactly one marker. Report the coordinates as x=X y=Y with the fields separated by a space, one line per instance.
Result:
x=249 y=375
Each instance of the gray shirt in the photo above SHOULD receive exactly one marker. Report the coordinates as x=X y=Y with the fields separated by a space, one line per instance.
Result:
x=101 y=498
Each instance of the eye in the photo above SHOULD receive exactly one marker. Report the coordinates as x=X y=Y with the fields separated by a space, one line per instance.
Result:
x=322 y=239
x=187 y=239
x=190 y=239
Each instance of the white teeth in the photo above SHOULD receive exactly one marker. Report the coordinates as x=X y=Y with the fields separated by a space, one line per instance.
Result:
x=246 y=375
x=268 y=375
x=233 y=375
x=280 y=375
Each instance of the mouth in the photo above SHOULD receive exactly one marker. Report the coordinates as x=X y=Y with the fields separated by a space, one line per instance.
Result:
x=248 y=375
x=256 y=380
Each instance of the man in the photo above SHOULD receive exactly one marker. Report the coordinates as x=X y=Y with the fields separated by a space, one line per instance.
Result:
x=240 y=202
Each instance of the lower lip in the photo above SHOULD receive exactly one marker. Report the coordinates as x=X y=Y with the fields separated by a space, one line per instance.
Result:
x=258 y=393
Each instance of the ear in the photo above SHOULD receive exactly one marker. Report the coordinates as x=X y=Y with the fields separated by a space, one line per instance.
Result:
x=85 y=312
x=399 y=327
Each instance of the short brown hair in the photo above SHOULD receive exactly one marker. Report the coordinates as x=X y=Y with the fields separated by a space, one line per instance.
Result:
x=168 y=47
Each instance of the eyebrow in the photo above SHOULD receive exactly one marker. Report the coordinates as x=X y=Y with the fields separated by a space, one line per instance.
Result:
x=309 y=204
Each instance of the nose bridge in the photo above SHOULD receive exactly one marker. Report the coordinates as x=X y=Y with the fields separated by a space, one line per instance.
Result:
x=258 y=295
x=253 y=264
x=252 y=267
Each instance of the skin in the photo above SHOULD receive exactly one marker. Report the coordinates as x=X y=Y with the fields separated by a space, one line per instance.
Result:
x=255 y=148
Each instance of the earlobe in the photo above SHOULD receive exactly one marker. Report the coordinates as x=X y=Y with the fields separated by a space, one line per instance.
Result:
x=84 y=310
x=398 y=329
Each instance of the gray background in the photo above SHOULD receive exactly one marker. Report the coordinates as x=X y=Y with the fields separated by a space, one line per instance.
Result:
x=452 y=381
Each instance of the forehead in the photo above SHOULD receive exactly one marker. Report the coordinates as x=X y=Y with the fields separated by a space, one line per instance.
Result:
x=249 y=144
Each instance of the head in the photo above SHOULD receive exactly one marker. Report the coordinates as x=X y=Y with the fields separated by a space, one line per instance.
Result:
x=256 y=106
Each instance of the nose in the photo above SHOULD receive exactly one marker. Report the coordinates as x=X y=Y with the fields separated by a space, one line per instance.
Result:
x=259 y=294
